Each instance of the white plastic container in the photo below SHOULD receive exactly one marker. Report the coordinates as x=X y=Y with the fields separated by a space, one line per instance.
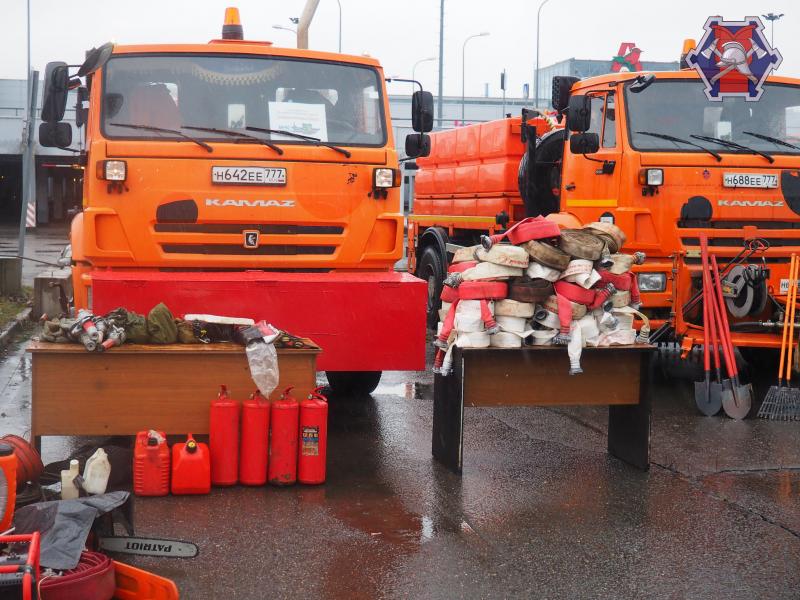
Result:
x=96 y=472
x=69 y=491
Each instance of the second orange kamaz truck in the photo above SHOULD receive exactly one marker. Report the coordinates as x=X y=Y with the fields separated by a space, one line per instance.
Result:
x=657 y=158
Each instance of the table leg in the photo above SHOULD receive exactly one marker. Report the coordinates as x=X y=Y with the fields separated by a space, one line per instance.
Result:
x=629 y=425
x=448 y=416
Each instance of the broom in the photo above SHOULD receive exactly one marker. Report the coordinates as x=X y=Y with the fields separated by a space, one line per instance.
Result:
x=771 y=407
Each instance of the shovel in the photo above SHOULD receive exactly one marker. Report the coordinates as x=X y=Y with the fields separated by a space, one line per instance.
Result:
x=707 y=396
x=737 y=401
x=715 y=391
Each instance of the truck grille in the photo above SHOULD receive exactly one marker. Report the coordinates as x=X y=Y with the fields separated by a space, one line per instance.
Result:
x=240 y=250
x=237 y=228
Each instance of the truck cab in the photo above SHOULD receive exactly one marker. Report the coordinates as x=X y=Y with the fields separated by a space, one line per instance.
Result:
x=660 y=160
x=270 y=173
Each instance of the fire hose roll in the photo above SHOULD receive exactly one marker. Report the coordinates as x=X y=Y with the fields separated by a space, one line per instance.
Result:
x=465 y=254
x=504 y=255
x=537 y=271
x=581 y=244
x=505 y=340
x=616 y=235
x=512 y=308
x=486 y=271
x=477 y=290
x=547 y=318
x=578 y=310
x=524 y=289
x=543 y=337
x=475 y=339
x=581 y=272
x=547 y=255
x=460 y=267
x=620 y=298
x=518 y=324
x=469 y=323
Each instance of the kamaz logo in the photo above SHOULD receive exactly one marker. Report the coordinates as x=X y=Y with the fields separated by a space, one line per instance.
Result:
x=756 y=203
x=250 y=203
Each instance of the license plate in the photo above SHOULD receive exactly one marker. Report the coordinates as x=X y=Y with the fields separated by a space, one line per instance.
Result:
x=248 y=175
x=749 y=180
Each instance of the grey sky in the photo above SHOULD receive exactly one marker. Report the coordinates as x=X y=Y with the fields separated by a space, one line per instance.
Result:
x=398 y=33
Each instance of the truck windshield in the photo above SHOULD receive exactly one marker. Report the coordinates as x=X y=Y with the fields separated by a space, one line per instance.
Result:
x=335 y=103
x=680 y=108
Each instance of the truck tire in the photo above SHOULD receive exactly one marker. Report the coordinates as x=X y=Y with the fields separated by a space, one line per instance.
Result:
x=430 y=267
x=353 y=383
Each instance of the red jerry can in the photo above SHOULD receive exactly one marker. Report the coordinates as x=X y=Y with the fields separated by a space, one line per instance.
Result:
x=255 y=438
x=223 y=439
x=191 y=468
x=284 y=420
x=151 y=464
x=313 y=438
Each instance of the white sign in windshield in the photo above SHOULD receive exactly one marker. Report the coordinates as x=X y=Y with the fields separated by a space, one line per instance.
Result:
x=297 y=117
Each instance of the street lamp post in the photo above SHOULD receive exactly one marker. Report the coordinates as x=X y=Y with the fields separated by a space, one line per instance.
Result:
x=536 y=82
x=772 y=17
x=340 y=25
x=464 y=68
x=285 y=28
x=414 y=68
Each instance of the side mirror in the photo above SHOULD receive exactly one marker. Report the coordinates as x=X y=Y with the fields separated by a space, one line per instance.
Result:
x=579 y=113
x=584 y=143
x=56 y=87
x=422 y=111
x=561 y=89
x=55 y=135
x=418 y=144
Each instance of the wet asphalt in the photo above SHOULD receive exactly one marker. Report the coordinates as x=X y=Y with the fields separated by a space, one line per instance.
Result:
x=541 y=510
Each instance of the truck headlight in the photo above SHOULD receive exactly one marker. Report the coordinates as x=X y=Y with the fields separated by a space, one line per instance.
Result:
x=112 y=170
x=652 y=282
x=653 y=177
x=383 y=178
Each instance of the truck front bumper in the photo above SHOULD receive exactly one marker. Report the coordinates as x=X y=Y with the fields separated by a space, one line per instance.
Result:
x=373 y=321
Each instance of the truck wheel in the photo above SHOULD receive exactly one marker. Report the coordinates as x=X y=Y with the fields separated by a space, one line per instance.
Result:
x=431 y=268
x=353 y=383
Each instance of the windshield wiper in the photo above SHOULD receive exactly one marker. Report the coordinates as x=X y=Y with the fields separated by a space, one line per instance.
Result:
x=672 y=138
x=308 y=138
x=774 y=140
x=731 y=144
x=200 y=143
x=236 y=134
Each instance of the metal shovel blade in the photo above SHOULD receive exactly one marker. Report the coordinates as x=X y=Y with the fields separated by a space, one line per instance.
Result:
x=737 y=400
x=714 y=398
x=702 y=398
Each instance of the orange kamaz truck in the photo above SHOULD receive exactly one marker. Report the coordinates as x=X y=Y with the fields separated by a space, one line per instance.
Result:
x=242 y=179
x=651 y=153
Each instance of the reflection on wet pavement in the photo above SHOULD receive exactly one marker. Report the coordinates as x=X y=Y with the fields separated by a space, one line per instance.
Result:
x=541 y=510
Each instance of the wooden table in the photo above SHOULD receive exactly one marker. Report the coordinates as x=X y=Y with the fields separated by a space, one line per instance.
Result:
x=136 y=387
x=617 y=376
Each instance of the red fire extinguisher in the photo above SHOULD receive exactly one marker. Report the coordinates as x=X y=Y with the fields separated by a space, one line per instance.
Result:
x=255 y=436
x=313 y=438
x=284 y=419
x=223 y=439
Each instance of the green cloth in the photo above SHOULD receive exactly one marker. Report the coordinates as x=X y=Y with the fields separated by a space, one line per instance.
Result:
x=161 y=327
x=186 y=332
x=133 y=323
